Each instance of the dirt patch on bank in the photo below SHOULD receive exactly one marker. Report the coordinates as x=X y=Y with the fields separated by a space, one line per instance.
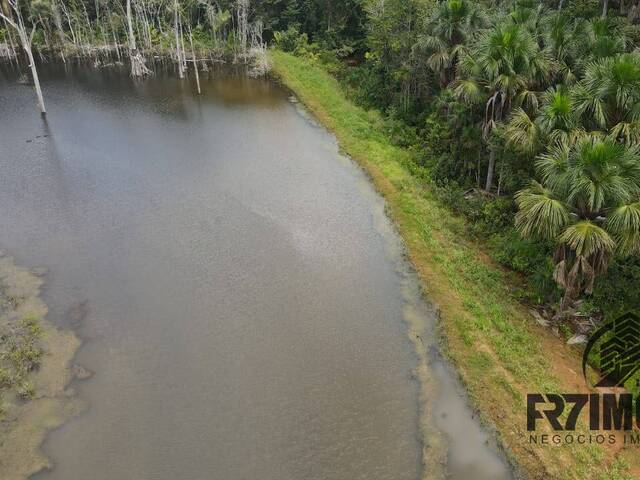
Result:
x=35 y=371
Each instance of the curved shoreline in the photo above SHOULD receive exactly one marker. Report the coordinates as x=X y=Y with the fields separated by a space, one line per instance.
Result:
x=444 y=410
x=497 y=349
x=26 y=422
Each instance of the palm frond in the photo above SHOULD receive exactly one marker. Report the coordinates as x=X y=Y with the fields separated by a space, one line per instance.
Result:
x=521 y=132
x=624 y=224
x=555 y=169
x=586 y=238
x=540 y=214
x=469 y=91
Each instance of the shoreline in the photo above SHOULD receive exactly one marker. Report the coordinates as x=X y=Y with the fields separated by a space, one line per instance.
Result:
x=498 y=351
x=439 y=393
x=26 y=422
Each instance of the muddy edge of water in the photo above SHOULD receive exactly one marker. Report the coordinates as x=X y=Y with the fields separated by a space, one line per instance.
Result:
x=26 y=423
x=455 y=444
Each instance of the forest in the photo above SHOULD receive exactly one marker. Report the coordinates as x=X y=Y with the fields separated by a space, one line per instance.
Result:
x=523 y=116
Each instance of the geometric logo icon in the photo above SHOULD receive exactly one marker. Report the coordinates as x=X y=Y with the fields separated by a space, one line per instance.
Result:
x=619 y=351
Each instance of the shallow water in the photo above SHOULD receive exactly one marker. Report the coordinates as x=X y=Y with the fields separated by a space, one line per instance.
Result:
x=242 y=298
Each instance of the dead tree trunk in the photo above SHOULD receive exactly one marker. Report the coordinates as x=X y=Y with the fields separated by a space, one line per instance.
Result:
x=176 y=31
x=57 y=20
x=11 y=53
x=138 y=67
x=490 y=169
x=25 y=40
x=243 y=24
x=193 y=59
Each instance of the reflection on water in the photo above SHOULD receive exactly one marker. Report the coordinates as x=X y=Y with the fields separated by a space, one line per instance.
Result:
x=244 y=298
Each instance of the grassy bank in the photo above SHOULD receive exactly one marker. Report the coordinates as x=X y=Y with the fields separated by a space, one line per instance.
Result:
x=499 y=351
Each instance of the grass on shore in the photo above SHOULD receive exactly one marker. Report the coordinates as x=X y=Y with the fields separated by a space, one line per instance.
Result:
x=500 y=353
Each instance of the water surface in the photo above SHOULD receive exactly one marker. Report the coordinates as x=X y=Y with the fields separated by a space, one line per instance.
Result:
x=241 y=296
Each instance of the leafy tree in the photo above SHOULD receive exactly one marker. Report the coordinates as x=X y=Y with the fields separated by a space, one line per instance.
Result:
x=588 y=202
x=394 y=26
x=599 y=38
x=608 y=98
x=450 y=28
x=502 y=71
x=554 y=121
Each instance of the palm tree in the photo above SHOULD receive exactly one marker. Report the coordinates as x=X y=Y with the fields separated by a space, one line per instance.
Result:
x=503 y=69
x=588 y=202
x=608 y=98
x=599 y=38
x=451 y=26
x=555 y=121
x=560 y=34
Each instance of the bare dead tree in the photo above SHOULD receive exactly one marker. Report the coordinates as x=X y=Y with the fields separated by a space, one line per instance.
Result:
x=258 y=51
x=57 y=20
x=26 y=39
x=194 y=60
x=138 y=67
x=177 y=34
x=242 y=14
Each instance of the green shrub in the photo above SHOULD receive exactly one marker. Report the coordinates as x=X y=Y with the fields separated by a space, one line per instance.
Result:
x=617 y=291
x=26 y=356
x=399 y=131
x=6 y=378
x=31 y=326
x=291 y=40
x=26 y=390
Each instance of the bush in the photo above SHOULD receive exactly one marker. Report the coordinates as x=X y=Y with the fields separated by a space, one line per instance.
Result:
x=291 y=40
x=26 y=391
x=364 y=85
x=451 y=146
x=486 y=215
x=532 y=259
x=6 y=378
x=26 y=357
x=616 y=292
x=399 y=131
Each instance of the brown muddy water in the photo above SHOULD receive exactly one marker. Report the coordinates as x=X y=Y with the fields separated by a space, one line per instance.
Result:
x=242 y=299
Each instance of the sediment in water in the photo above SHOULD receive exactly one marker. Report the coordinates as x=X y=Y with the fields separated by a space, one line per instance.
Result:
x=25 y=422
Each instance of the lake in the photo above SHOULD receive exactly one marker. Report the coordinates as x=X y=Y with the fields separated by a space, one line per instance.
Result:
x=243 y=301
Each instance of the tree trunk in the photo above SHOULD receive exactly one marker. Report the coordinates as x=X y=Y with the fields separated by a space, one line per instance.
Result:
x=26 y=44
x=605 y=7
x=57 y=20
x=25 y=40
x=177 y=36
x=132 y=38
x=184 y=55
x=193 y=58
x=490 y=169
x=13 y=53
x=138 y=67
x=243 y=24
x=500 y=177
